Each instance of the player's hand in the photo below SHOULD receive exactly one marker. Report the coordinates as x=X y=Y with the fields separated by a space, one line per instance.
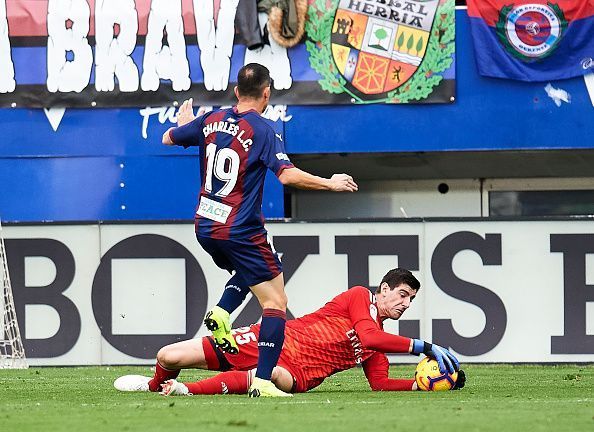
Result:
x=446 y=360
x=343 y=183
x=185 y=114
x=461 y=381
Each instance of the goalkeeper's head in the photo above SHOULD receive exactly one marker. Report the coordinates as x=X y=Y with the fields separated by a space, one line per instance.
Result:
x=395 y=293
x=253 y=84
x=399 y=276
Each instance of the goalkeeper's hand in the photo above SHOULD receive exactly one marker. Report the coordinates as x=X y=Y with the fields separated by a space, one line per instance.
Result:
x=460 y=381
x=446 y=360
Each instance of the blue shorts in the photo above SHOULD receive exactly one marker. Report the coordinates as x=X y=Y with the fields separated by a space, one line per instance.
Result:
x=252 y=258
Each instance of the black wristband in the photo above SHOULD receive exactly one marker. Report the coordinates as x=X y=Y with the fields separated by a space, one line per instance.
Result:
x=427 y=348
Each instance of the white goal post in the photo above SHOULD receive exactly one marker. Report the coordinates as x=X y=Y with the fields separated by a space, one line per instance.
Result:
x=12 y=353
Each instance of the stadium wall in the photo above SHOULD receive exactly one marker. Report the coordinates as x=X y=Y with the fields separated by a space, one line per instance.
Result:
x=108 y=164
x=493 y=290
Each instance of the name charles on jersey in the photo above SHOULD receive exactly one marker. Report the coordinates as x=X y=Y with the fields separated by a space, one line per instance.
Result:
x=228 y=128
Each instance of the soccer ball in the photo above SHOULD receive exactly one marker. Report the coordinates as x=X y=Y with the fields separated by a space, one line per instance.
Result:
x=429 y=377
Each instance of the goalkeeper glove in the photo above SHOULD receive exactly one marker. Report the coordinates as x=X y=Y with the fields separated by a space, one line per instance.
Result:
x=461 y=381
x=446 y=360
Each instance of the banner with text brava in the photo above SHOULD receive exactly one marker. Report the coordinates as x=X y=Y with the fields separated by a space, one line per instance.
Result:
x=493 y=291
x=83 y=53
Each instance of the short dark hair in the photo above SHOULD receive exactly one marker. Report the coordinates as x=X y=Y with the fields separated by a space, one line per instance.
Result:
x=252 y=79
x=397 y=277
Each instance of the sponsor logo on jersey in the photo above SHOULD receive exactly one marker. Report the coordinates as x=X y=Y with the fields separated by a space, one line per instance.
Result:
x=224 y=388
x=282 y=156
x=356 y=344
x=213 y=210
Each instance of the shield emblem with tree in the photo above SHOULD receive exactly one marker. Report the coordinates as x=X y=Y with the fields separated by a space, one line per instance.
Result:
x=378 y=48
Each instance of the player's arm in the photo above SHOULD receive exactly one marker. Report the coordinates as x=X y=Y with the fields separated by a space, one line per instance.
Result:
x=376 y=339
x=303 y=180
x=167 y=140
x=373 y=338
x=376 y=370
x=188 y=127
x=275 y=158
x=363 y=314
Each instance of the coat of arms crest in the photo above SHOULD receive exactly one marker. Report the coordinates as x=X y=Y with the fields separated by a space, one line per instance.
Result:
x=381 y=50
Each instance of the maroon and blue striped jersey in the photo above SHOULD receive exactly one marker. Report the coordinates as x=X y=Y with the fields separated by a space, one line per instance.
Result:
x=235 y=151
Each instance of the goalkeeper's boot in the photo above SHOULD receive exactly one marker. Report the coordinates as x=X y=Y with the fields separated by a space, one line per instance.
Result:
x=173 y=388
x=130 y=383
x=265 y=388
x=218 y=322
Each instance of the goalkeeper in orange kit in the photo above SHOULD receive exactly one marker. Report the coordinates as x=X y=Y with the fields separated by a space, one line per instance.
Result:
x=346 y=332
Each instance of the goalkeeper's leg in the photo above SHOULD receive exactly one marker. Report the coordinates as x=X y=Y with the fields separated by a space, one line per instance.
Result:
x=231 y=382
x=170 y=360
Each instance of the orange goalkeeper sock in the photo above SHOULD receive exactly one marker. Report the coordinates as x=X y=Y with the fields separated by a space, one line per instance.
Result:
x=231 y=382
x=161 y=375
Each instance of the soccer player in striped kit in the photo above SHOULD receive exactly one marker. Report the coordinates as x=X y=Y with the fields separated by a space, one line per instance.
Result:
x=346 y=332
x=237 y=146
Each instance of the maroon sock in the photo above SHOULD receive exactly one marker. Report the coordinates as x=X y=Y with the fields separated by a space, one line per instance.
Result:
x=161 y=375
x=231 y=382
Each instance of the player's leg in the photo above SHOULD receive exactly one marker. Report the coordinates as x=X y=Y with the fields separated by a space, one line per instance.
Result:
x=231 y=382
x=259 y=265
x=218 y=320
x=283 y=379
x=170 y=360
x=236 y=289
x=184 y=355
x=272 y=298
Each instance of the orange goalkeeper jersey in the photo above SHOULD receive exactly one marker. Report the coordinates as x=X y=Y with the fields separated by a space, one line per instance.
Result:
x=326 y=341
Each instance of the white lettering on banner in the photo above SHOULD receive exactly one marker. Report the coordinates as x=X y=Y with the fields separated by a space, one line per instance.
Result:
x=274 y=57
x=213 y=210
x=276 y=112
x=165 y=113
x=273 y=112
x=69 y=55
x=7 y=82
x=112 y=53
x=215 y=41
x=162 y=61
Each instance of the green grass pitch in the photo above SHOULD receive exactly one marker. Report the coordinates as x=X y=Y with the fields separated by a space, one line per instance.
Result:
x=496 y=398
